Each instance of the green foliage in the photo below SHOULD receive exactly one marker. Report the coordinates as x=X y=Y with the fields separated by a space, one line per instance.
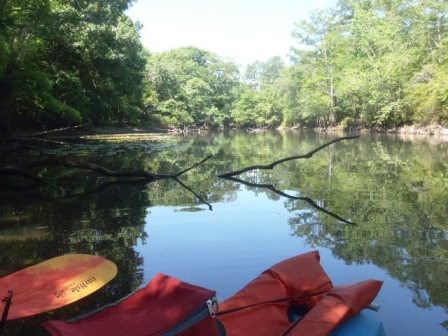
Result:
x=380 y=63
x=64 y=62
x=259 y=100
x=190 y=87
x=244 y=112
x=428 y=91
x=174 y=113
x=375 y=64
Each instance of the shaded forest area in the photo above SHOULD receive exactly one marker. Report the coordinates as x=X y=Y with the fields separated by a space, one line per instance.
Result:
x=362 y=63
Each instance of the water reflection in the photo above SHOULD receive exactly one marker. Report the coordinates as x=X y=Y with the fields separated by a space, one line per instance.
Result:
x=312 y=203
x=95 y=224
x=395 y=190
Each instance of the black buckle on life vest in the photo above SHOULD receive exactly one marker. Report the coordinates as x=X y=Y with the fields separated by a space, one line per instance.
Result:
x=8 y=302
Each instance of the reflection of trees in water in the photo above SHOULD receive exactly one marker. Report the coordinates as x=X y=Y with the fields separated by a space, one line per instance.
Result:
x=418 y=259
x=402 y=228
x=256 y=180
x=82 y=212
x=278 y=193
x=396 y=192
x=418 y=262
x=107 y=224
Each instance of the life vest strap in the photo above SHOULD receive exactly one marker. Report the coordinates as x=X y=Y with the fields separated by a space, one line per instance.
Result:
x=274 y=301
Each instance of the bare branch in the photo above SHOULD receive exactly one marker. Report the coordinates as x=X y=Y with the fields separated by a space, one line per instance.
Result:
x=193 y=166
x=57 y=130
x=144 y=176
x=36 y=140
x=95 y=167
x=194 y=193
x=295 y=157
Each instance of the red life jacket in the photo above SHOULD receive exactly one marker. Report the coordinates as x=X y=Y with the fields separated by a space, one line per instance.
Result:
x=337 y=306
x=157 y=309
x=261 y=307
x=167 y=306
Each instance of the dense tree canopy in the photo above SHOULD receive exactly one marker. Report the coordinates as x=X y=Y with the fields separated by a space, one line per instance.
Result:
x=65 y=61
x=375 y=63
x=190 y=87
x=369 y=63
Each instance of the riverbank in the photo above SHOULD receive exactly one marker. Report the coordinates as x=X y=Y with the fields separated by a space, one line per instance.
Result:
x=412 y=129
x=429 y=130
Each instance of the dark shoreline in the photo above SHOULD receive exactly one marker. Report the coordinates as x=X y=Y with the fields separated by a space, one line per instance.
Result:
x=412 y=129
x=429 y=130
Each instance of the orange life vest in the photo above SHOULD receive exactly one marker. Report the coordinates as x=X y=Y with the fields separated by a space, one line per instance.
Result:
x=167 y=306
x=261 y=307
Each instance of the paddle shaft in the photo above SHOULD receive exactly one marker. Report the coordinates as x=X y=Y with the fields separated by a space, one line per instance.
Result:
x=8 y=301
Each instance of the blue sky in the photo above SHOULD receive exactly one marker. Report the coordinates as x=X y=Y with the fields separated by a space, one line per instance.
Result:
x=241 y=30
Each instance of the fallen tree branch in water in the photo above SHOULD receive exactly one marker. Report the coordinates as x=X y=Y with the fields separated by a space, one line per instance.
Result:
x=74 y=163
x=194 y=193
x=58 y=130
x=18 y=142
x=290 y=158
x=144 y=176
x=281 y=193
x=192 y=167
x=231 y=176
x=30 y=191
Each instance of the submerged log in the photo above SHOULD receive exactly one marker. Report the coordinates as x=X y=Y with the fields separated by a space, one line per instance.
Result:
x=74 y=163
x=141 y=175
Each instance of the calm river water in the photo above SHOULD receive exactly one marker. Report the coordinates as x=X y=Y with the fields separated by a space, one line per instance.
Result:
x=377 y=208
